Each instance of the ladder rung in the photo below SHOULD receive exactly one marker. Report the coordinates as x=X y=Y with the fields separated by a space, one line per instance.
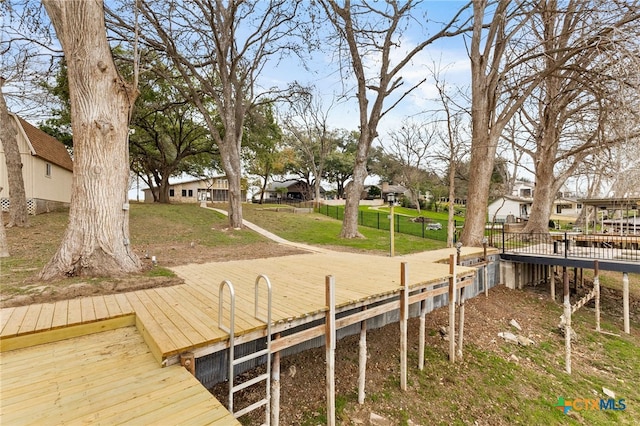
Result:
x=252 y=407
x=250 y=356
x=248 y=383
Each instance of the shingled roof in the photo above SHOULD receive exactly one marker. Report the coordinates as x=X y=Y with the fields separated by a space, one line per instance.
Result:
x=47 y=147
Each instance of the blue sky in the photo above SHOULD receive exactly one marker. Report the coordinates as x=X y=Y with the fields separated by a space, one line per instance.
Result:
x=448 y=55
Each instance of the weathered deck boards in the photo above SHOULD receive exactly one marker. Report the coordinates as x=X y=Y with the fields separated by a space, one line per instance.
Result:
x=104 y=378
x=185 y=317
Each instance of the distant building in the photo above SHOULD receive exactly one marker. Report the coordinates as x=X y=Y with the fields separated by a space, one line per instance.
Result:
x=292 y=190
x=510 y=209
x=384 y=189
x=47 y=169
x=517 y=206
x=215 y=189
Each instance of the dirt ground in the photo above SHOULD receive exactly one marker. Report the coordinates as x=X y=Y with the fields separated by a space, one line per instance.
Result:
x=303 y=390
x=32 y=291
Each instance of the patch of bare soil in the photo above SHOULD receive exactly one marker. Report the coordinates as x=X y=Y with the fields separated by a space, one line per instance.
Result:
x=167 y=256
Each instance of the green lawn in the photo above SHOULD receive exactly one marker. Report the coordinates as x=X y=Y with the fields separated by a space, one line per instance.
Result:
x=314 y=228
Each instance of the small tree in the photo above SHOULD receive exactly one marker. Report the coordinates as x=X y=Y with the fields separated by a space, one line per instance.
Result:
x=411 y=147
x=311 y=137
x=262 y=146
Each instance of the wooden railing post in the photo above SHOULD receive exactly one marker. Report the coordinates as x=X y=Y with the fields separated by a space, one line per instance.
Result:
x=404 y=319
x=625 y=301
x=330 y=348
x=452 y=308
x=423 y=326
x=275 y=386
x=596 y=287
x=362 y=360
x=567 y=320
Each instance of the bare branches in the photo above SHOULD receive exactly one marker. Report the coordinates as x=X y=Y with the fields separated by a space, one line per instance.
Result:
x=372 y=34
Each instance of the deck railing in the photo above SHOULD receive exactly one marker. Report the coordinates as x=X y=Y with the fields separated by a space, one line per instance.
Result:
x=569 y=245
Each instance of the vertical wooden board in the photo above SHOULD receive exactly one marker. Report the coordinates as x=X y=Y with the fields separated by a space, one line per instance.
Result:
x=74 y=312
x=100 y=308
x=60 y=314
x=30 y=319
x=46 y=317
x=5 y=314
x=86 y=307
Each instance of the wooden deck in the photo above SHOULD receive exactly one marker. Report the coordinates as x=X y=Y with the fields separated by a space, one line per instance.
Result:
x=83 y=361
x=103 y=378
x=183 y=318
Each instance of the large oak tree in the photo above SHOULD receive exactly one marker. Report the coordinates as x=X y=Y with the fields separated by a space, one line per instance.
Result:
x=96 y=241
x=587 y=102
x=219 y=50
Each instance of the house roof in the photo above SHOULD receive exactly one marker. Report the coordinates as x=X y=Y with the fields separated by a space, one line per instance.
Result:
x=286 y=184
x=46 y=146
x=513 y=198
x=396 y=189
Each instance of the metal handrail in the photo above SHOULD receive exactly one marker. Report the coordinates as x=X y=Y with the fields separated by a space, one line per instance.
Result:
x=232 y=359
x=230 y=330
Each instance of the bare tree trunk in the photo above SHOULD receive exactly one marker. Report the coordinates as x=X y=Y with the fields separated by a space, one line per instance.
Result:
x=96 y=242
x=487 y=122
x=352 y=203
x=18 y=213
x=316 y=188
x=541 y=208
x=163 y=190
x=230 y=153
x=482 y=158
x=4 y=245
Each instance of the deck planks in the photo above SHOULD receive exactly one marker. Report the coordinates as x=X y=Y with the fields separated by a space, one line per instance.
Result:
x=184 y=317
x=60 y=313
x=45 y=319
x=103 y=378
x=117 y=379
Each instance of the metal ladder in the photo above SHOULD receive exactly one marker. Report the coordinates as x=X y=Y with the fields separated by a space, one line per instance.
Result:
x=266 y=377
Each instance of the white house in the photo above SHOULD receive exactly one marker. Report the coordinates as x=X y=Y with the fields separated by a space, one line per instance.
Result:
x=47 y=169
x=522 y=189
x=517 y=206
x=214 y=189
x=509 y=209
x=569 y=207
